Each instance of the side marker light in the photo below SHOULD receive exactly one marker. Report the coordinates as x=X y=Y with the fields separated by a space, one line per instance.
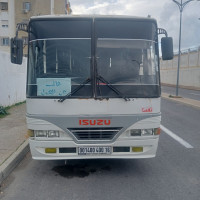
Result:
x=137 y=149
x=157 y=131
x=50 y=150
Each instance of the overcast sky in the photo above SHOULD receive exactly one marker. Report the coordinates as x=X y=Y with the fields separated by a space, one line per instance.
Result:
x=165 y=11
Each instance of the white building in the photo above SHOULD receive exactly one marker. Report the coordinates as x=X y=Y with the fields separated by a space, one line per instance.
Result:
x=7 y=23
x=16 y=11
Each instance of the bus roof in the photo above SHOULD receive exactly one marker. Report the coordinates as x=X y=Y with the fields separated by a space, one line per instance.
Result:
x=114 y=17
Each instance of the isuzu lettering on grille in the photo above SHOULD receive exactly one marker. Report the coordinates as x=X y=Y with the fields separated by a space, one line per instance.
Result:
x=93 y=122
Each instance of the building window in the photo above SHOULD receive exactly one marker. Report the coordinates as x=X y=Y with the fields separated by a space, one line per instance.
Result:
x=4 y=26
x=4 y=23
x=5 y=42
x=4 y=6
x=26 y=7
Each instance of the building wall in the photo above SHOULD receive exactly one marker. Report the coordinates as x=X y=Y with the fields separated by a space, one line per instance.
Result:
x=12 y=81
x=7 y=15
x=13 y=77
x=59 y=7
x=189 y=74
x=37 y=7
x=17 y=14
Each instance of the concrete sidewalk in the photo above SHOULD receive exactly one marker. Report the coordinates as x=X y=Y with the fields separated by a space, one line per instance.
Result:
x=14 y=138
x=190 y=102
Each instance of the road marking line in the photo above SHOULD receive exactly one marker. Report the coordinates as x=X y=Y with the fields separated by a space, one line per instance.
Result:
x=175 y=137
x=195 y=94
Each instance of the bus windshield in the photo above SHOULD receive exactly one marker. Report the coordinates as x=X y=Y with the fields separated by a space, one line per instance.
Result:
x=81 y=58
x=57 y=66
x=130 y=65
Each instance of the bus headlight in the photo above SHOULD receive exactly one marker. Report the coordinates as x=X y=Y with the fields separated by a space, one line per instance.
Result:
x=53 y=134
x=135 y=132
x=145 y=132
x=45 y=133
x=40 y=133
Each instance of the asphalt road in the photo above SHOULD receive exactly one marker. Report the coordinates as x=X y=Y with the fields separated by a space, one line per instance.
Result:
x=173 y=175
x=191 y=94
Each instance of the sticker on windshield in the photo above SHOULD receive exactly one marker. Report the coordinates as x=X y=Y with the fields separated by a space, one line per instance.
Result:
x=53 y=86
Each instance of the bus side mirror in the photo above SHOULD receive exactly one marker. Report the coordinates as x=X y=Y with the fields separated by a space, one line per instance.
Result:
x=167 y=48
x=16 y=50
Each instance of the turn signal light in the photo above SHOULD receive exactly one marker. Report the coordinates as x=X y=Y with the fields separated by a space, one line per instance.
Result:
x=50 y=150
x=30 y=133
x=137 y=149
x=157 y=131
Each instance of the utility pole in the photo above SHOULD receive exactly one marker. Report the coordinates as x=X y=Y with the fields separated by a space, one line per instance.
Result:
x=181 y=6
x=52 y=7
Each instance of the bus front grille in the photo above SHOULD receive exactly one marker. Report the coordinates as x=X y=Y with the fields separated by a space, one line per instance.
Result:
x=94 y=133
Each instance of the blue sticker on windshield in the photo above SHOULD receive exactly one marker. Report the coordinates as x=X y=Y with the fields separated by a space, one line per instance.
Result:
x=53 y=86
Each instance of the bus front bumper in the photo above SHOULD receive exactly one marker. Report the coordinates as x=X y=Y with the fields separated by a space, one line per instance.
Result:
x=63 y=150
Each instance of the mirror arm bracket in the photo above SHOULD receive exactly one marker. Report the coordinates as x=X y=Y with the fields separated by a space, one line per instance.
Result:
x=162 y=31
x=21 y=27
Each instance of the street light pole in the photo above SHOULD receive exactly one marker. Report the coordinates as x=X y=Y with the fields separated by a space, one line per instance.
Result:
x=179 y=51
x=181 y=6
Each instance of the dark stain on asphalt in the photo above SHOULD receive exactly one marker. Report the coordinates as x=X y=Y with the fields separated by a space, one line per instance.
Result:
x=78 y=170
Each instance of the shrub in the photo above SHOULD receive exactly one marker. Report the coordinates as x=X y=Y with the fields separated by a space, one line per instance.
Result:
x=3 y=111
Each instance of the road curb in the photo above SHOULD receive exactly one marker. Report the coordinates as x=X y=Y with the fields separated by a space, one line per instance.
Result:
x=7 y=167
x=190 y=102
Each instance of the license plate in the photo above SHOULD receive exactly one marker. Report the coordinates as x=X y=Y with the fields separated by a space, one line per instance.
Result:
x=94 y=150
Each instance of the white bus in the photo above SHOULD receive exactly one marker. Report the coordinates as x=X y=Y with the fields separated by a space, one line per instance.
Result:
x=93 y=86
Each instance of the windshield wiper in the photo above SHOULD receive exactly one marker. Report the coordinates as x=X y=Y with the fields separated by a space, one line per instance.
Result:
x=112 y=88
x=75 y=90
